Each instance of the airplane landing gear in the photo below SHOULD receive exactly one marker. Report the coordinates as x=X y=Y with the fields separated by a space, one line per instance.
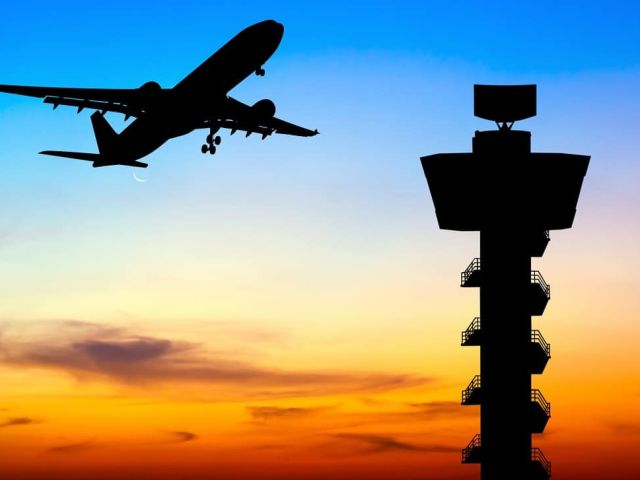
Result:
x=211 y=144
x=260 y=72
x=208 y=148
x=211 y=139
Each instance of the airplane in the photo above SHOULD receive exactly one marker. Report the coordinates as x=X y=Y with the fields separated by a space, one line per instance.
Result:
x=200 y=100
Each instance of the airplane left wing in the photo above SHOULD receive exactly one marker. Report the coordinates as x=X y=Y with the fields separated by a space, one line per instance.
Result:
x=131 y=102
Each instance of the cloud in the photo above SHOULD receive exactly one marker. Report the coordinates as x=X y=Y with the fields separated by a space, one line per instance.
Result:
x=182 y=437
x=90 y=350
x=625 y=428
x=73 y=447
x=385 y=443
x=437 y=408
x=13 y=422
x=266 y=413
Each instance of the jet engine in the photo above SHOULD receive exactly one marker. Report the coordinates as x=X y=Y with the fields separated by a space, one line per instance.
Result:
x=264 y=109
x=150 y=87
x=149 y=93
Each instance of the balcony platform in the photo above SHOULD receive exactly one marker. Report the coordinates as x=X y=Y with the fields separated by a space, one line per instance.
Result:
x=540 y=352
x=472 y=453
x=540 y=466
x=540 y=411
x=472 y=395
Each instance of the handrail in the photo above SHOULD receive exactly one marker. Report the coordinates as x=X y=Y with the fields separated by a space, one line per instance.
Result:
x=475 y=384
x=474 y=443
x=537 y=456
x=473 y=267
x=473 y=327
x=546 y=234
x=536 y=396
x=536 y=277
x=537 y=337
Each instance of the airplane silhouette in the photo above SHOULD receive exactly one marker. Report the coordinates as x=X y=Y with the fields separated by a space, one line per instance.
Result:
x=200 y=100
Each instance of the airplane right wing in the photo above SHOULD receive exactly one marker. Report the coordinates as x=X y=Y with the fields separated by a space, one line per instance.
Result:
x=130 y=102
x=286 y=128
x=249 y=119
x=264 y=128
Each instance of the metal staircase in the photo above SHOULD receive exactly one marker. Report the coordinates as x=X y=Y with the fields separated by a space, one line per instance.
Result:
x=471 y=336
x=540 y=411
x=472 y=394
x=540 y=352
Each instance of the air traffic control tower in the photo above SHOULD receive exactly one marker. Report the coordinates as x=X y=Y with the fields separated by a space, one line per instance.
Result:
x=513 y=197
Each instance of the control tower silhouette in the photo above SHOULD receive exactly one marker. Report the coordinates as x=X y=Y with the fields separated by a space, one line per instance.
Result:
x=513 y=197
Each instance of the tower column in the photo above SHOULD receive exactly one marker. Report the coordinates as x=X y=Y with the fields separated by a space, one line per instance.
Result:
x=505 y=267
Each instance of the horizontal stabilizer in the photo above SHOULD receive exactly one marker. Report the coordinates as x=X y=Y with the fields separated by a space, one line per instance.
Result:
x=91 y=157
x=126 y=164
x=97 y=159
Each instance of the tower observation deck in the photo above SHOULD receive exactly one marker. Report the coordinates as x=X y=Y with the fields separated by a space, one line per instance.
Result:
x=513 y=197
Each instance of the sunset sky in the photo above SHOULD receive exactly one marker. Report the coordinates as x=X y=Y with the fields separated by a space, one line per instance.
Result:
x=289 y=309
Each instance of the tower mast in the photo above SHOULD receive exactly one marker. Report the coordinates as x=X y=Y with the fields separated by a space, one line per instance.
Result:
x=513 y=197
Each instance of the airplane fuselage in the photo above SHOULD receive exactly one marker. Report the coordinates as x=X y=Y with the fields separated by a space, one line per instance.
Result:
x=200 y=95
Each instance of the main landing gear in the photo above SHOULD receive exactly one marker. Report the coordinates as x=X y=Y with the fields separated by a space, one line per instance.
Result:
x=260 y=72
x=211 y=144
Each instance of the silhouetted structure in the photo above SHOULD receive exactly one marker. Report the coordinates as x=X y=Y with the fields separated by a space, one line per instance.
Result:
x=513 y=197
x=200 y=100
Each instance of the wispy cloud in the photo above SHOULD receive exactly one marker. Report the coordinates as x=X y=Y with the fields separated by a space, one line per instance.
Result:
x=266 y=413
x=625 y=427
x=93 y=350
x=385 y=443
x=438 y=408
x=73 y=447
x=182 y=437
x=17 y=421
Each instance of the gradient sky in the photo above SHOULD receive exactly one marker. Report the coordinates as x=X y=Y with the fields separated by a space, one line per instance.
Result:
x=289 y=308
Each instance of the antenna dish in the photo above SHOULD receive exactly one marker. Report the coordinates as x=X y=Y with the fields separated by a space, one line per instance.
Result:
x=504 y=103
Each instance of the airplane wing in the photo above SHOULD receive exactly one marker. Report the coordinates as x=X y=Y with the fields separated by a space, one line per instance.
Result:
x=130 y=102
x=242 y=117
x=264 y=127
x=286 y=128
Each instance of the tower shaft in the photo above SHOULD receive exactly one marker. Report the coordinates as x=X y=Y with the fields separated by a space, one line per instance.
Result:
x=504 y=353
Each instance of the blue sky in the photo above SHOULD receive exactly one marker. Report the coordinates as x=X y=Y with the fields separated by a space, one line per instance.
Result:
x=384 y=82
x=527 y=37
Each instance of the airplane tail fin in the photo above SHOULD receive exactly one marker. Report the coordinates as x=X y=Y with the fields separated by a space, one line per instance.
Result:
x=105 y=135
x=106 y=139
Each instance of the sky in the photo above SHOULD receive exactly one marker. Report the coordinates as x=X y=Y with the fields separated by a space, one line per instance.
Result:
x=288 y=308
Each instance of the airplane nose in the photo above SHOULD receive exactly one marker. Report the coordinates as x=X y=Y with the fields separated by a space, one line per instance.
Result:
x=268 y=33
x=275 y=27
